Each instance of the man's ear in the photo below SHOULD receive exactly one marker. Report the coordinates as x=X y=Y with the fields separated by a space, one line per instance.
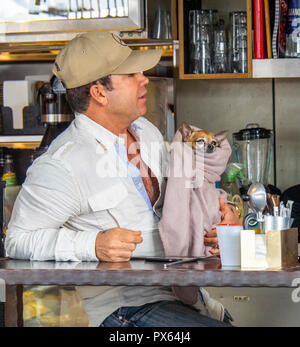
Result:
x=185 y=131
x=99 y=94
x=221 y=135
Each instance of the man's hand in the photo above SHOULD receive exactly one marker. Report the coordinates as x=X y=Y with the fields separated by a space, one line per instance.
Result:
x=117 y=244
x=230 y=214
x=211 y=240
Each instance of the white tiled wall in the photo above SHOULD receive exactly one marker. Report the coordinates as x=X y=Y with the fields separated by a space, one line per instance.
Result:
x=231 y=104
x=287 y=109
x=224 y=104
x=259 y=307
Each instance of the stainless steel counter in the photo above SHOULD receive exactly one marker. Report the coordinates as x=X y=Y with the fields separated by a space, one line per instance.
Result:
x=139 y=272
x=205 y=273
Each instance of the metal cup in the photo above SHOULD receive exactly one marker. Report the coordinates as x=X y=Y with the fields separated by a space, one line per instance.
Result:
x=276 y=223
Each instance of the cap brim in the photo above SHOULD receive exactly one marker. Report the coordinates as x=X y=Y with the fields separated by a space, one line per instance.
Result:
x=139 y=61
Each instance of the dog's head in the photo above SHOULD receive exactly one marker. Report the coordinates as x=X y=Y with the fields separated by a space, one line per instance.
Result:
x=202 y=140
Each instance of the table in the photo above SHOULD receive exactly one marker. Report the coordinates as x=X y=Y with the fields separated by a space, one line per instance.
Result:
x=205 y=273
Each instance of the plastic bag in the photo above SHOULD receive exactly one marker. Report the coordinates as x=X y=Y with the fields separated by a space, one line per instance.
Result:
x=52 y=306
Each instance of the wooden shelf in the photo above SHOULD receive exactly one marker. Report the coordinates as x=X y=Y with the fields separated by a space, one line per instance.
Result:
x=48 y=52
x=184 y=75
x=216 y=76
x=21 y=138
x=21 y=141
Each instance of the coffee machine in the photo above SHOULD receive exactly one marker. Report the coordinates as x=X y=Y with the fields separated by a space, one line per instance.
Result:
x=56 y=113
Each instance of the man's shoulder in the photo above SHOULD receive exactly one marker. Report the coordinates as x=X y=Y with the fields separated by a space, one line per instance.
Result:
x=69 y=144
x=63 y=156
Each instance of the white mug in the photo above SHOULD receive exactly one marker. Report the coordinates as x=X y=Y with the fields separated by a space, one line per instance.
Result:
x=229 y=238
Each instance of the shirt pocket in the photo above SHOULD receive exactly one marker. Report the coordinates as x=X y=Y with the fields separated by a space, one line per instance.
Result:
x=105 y=202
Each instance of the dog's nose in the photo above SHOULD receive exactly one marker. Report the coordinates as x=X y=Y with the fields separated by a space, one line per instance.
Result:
x=210 y=148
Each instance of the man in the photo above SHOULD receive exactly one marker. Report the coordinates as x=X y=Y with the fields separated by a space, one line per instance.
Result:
x=97 y=193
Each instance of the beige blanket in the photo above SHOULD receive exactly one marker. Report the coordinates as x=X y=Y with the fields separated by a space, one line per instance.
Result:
x=191 y=206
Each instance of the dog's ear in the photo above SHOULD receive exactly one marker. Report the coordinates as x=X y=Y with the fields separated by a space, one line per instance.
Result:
x=185 y=131
x=221 y=135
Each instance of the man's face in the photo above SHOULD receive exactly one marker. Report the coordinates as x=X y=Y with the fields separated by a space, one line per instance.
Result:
x=127 y=100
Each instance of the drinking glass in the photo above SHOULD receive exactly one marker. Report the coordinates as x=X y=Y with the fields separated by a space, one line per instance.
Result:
x=243 y=56
x=194 y=42
x=214 y=23
x=205 y=49
x=242 y=43
x=162 y=25
x=237 y=53
x=220 y=50
x=233 y=56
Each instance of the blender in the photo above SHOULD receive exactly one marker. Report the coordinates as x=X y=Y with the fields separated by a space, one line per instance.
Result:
x=253 y=149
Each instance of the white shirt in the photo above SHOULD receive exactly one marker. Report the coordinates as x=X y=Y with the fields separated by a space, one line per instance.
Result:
x=82 y=185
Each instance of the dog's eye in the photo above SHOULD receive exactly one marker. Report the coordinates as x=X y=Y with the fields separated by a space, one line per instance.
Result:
x=213 y=143
x=201 y=140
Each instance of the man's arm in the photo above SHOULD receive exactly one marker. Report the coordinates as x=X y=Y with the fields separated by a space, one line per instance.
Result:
x=48 y=198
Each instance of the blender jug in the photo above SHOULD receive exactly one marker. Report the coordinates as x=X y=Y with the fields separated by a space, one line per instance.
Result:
x=253 y=149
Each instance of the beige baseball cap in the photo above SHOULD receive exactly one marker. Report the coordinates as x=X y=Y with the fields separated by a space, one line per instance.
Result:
x=93 y=55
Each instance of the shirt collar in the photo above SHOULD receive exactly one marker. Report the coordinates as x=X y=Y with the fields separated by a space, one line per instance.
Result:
x=101 y=134
x=135 y=128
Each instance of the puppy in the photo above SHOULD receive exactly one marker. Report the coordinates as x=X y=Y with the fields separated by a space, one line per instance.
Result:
x=207 y=142
x=188 y=214
x=202 y=140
